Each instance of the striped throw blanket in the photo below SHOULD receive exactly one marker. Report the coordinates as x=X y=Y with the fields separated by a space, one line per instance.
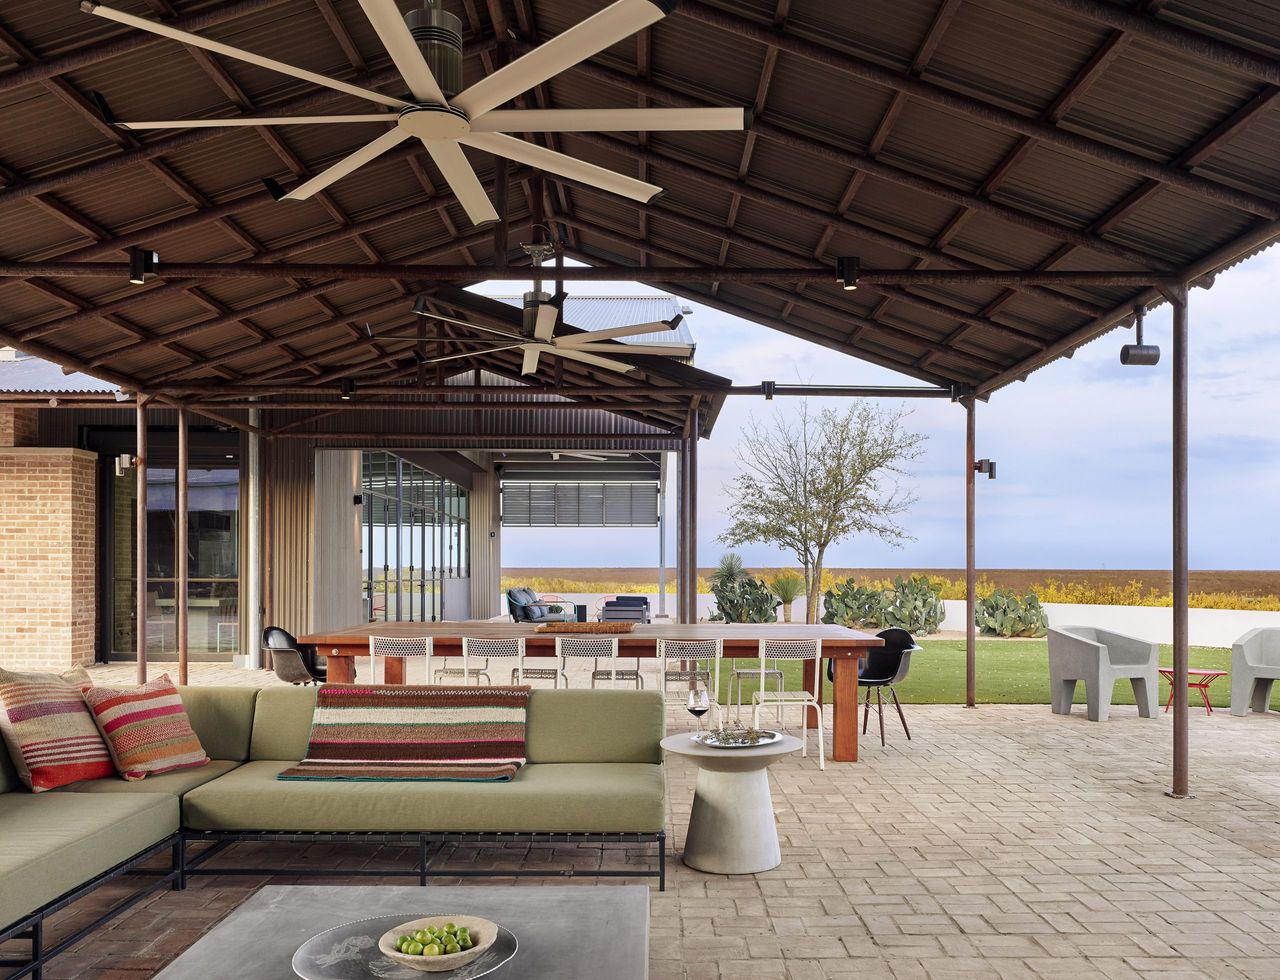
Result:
x=397 y=732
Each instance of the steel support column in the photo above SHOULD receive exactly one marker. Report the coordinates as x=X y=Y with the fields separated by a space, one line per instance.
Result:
x=181 y=504
x=970 y=554
x=692 y=488
x=662 y=534
x=251 y=604
x=682 y=530
x=140 y=538
x=1181 y=708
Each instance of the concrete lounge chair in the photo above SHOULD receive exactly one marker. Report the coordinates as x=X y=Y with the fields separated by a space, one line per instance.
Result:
x=1255 y=666
x=1100 y=658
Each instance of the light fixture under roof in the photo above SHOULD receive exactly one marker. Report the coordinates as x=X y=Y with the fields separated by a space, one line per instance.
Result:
x=142 y=265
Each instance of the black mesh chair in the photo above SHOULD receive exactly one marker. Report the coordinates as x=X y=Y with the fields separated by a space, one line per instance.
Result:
x=884 y=667
x=290 y=660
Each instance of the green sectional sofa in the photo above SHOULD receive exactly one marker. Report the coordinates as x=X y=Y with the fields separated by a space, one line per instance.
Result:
x=594 y=774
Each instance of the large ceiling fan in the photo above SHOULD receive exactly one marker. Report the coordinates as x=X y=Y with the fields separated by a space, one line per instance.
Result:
x=426 y=47
x=542 y=315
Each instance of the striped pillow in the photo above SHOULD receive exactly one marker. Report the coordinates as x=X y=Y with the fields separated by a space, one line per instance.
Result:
x=146 y=728
x=48 y=730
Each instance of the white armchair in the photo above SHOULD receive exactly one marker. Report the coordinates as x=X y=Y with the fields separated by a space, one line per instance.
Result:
x=1255 y=666
x=1100 y=658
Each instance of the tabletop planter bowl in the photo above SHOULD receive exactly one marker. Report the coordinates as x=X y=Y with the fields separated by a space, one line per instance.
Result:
x=483 y=933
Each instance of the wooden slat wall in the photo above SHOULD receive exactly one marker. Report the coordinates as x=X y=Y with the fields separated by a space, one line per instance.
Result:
x=290 y=488
x=486 y=552
x=335 y=571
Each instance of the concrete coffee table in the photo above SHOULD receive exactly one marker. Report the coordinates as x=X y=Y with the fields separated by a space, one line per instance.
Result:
x=564 y=932
x=731 y=829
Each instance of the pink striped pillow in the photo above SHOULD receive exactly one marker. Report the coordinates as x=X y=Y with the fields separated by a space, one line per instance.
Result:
x=146 y=728
x=50 y=735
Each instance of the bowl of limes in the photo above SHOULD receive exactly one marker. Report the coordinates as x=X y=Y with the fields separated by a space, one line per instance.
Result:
x=439 y=943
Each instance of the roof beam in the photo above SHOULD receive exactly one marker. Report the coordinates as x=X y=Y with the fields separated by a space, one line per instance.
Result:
x=469 y=273
x=977 y=109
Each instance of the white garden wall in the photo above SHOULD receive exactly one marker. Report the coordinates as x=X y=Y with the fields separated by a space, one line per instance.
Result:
x=1209 y=627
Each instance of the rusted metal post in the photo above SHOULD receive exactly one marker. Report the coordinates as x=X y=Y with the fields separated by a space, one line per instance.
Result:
x=970 y=553
x=693 y=520
x=140 y=538
x=183 y=591
x=682 y=532
x=1181 y=658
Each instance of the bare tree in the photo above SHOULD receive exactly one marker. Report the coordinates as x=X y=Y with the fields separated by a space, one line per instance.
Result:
x=807 y=481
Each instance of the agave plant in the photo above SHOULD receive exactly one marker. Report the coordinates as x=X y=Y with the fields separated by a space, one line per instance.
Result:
x=729 y=571
x=787 y=586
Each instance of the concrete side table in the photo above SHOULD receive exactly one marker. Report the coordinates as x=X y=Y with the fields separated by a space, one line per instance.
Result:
x=732 y=830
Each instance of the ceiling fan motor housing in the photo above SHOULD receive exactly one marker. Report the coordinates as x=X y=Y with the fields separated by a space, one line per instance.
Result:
x=532 y=300
x=439 y=37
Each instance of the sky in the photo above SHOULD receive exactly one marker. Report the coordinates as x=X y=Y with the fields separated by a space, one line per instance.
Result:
x=1083 y=449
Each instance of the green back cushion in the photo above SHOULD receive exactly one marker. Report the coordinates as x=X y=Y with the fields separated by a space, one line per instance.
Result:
x=595 y=726
x=564 y=726
x=282 y=723
x=222 y=718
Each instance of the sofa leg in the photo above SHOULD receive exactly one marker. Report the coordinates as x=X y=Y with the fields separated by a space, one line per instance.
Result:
x=422 y=861
x=37 y=948
x=180 y=864
x=662 y=861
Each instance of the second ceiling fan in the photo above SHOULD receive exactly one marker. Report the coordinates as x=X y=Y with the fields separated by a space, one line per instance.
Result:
x=426 y=47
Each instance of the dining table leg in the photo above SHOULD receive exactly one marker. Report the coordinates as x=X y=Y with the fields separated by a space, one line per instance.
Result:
x=844 y=710
x=341 y=669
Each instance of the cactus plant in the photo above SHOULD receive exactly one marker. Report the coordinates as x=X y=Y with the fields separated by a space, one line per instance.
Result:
x=1003 y=614
x=747 y=600
x=913 y=604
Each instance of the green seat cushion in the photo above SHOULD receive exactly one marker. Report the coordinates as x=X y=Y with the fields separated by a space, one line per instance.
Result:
x=51 y=843
x=176 y=783
x=222 y=718
x=547 y=798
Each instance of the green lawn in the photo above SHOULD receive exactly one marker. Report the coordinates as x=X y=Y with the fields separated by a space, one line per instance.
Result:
x=1009 y=672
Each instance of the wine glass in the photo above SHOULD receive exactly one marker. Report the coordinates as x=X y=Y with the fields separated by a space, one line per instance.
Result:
x=699 y=703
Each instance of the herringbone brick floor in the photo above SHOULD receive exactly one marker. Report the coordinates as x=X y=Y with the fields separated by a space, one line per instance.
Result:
x=999 y=842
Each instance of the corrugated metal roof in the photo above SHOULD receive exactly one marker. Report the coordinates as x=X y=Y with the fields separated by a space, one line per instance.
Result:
x=196 y=196
x=31 y=374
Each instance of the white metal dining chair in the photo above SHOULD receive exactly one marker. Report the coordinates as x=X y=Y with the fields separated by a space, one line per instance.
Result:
x=794 y=650
x=740 y=675
x=485 y=649
x=593 y=648
x=408 y=647
x=690 y=662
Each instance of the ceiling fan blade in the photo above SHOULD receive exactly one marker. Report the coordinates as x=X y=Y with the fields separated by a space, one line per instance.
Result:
x=566 y=166
x=607 y=120
x=348 y=164
x=617 y=21
x=545 y=324
x=531 y=354
x=622 y=367
x=257 y=121
x=468 y=323
x=611 y=333
x=394 y=34
x=164 y=30
x=469 y=353
x=462 y=180
x=657 y=350
x=436 y=340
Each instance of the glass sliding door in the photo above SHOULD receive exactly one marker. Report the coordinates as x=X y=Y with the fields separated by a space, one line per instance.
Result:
x=213 y=563
x=414 y=533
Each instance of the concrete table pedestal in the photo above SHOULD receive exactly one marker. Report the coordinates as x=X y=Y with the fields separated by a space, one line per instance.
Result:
x=731 y=829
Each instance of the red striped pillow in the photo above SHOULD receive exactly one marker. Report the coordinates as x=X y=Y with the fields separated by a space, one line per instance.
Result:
x=49 y=732
x=146 y=728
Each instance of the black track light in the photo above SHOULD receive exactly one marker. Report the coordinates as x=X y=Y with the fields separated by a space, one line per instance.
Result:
x=847 y=272
x=420 y=306
x=1139 y=354
x=346 y=388
x=142 y=265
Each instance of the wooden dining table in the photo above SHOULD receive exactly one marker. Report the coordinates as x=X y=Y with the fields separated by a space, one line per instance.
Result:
x=842 y=646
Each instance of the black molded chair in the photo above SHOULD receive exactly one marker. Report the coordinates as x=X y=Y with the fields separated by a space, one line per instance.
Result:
x=884 y=667
x=291 y=661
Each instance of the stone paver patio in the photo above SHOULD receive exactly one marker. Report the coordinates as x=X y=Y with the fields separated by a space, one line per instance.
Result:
x=1001 y=842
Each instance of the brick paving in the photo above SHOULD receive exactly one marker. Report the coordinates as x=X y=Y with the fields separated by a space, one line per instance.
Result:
x=1002 y=842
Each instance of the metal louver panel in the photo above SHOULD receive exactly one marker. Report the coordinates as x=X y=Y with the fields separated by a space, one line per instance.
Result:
x=579 y=504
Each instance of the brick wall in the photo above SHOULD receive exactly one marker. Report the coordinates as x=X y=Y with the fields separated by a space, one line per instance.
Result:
x=48 y=554
x=18 y=426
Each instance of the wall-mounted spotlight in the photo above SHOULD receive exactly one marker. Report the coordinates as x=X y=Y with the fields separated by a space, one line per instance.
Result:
x=420 y=306
x=987 y=466
x=142 y=265
x=124 y=463
x=1139 y=354
x=847 y=272
x=767 y=388
x=346 y=388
